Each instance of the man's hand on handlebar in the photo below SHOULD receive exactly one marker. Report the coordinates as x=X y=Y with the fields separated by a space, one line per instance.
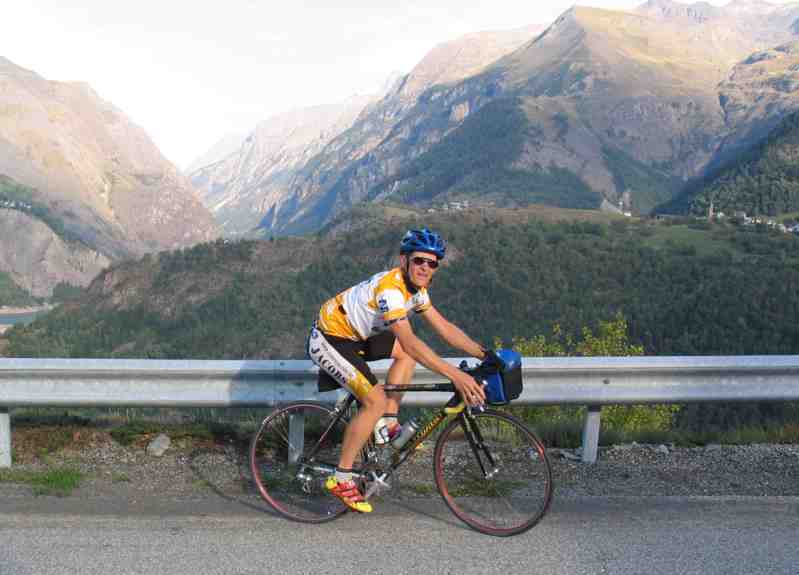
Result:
x=471 y=391
x=491 y=358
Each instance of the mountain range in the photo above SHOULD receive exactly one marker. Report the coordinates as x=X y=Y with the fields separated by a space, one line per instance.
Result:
x=82 y=186
x=600 y=109
x=255 y=185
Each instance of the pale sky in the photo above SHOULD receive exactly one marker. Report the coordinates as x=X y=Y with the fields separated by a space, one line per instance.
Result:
x=190 y=72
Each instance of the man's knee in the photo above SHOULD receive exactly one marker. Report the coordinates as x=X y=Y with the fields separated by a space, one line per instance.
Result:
x=376 y=398
x=398 y=354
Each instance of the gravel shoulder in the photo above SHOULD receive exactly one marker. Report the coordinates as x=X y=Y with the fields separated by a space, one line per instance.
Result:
x=216 y=473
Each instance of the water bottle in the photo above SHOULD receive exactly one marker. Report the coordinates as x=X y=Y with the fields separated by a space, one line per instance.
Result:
x=382 y=434
x=409 y=429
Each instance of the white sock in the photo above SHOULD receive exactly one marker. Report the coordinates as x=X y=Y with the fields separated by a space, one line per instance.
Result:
x=343 y=475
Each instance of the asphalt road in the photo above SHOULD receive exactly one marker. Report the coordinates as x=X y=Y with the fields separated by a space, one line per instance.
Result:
x=705 y=536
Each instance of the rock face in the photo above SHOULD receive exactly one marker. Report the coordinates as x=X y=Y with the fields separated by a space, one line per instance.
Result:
x=627 y=105
x=99 y=177
x=226 y=146
x=38 y=259
x=758 y=93
x=244 y=185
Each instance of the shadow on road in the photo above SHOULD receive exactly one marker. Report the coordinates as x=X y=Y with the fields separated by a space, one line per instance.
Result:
x=243 y=492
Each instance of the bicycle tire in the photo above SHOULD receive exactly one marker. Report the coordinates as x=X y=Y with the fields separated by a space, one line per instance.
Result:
x=285 y=477
x=516 y=495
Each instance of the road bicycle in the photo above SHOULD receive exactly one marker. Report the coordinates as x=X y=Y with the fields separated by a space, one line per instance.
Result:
x=490 y=468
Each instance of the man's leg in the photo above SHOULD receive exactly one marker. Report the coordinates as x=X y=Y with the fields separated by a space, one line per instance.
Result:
x=373 y=405
x=355 y=436
x=400 y=373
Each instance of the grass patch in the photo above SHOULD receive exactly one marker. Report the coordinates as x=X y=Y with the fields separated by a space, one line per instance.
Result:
x=562 y=427
x=480 y=487
x=60 y=481
x=132 y=432
x=57 y=440
x=420 y=488
x=129 y=433
x=788 y=433
x=201 y=484
x=563 y=434
x=773 y=434
x=688 y=240
x=119 y=477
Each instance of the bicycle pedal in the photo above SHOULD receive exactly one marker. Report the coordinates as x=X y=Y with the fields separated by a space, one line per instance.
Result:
x=378 y=484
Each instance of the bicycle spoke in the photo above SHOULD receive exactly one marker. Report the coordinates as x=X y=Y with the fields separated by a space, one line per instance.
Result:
x=515 y=493
x=277 y=455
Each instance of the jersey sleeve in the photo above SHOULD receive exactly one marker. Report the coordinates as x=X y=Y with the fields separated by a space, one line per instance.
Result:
x=391 y=304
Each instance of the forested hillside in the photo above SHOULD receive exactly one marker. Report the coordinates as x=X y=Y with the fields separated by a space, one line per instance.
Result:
x=15 y=196
x=684 y=288
x=457 y=168
x=763 y=180
x=11 y=294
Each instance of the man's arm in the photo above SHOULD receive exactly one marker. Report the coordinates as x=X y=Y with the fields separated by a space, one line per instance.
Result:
x=452 y=334
x=471 y=391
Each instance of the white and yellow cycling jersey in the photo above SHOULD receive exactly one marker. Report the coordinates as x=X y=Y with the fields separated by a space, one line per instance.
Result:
x=370 y=307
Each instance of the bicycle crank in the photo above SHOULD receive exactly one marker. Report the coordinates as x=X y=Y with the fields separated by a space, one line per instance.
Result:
x=376 y=483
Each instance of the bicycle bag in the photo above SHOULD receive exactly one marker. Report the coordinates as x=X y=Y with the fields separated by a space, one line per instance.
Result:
x=501 y=376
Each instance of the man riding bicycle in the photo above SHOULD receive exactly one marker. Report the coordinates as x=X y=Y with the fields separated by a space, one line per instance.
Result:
x=369 y=321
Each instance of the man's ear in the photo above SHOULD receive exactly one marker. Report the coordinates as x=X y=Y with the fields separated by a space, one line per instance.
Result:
x=403 y=260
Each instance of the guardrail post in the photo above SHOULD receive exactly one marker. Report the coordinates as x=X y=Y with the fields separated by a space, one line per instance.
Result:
x=591 y=434
x=5 y=438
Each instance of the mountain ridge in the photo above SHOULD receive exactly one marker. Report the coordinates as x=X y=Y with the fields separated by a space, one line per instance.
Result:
x=274 y=195
x=96 y=172
x=762 y=180
x=595 y=85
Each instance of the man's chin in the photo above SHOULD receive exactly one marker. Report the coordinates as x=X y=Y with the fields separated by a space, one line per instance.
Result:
x=421 y=283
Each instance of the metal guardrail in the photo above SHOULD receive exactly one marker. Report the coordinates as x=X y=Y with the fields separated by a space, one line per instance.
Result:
x=591 y=381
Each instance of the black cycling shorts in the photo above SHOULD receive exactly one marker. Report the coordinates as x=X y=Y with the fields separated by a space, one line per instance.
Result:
x=342 y=361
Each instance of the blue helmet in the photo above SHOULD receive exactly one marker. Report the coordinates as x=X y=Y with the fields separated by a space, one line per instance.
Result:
x=423 y=241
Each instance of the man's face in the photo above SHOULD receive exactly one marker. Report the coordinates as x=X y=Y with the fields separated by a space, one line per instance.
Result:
x=420 y=270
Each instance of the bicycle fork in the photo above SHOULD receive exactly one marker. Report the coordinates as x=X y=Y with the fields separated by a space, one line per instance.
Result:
x=477 y=445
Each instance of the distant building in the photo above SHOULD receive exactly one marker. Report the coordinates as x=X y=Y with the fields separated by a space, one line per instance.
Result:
x=457 y=205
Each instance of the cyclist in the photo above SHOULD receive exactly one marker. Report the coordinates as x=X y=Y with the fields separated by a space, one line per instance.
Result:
x=368 y=322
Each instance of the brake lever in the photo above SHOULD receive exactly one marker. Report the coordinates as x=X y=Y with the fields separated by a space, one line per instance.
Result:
x=477 y=408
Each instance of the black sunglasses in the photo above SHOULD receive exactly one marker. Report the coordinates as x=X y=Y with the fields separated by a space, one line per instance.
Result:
x=418 y=261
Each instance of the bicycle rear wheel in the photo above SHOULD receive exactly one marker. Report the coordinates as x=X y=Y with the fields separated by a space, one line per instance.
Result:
x=493 y=473
x=292 y=453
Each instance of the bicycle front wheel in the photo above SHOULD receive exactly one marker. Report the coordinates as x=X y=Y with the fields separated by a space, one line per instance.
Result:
x=292 y=453
x=493 y=473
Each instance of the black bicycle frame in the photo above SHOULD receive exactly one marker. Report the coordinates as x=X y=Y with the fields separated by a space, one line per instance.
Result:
x=472 y=432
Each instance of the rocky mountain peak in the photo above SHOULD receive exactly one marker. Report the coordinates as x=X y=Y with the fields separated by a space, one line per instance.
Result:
x=465 y=56
x=698 y=12
x=752 y=7
x=95 y=178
